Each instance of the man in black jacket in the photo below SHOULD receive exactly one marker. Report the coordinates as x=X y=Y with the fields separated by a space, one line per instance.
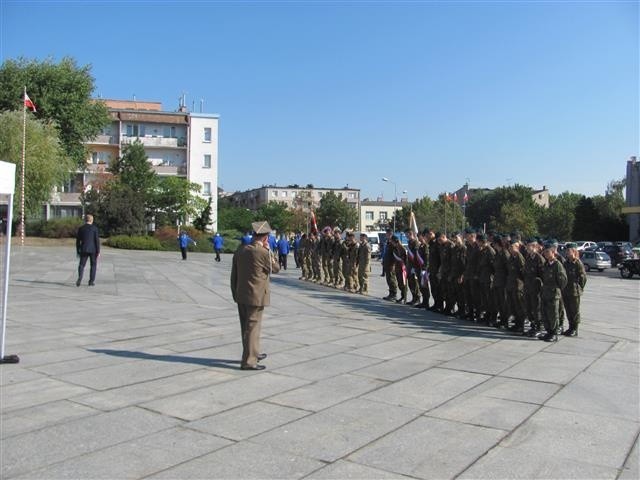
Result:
x=88 y=246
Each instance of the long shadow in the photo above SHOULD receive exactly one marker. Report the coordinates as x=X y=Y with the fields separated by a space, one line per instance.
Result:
x=207 y=362
x=417 y=319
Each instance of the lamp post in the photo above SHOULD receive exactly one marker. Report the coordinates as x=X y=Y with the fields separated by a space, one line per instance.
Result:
x=395 y=200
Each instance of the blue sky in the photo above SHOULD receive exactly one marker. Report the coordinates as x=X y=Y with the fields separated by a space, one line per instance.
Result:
x=428 y=94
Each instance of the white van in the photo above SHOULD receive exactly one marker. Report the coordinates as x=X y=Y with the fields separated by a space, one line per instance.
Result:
x=374 y=241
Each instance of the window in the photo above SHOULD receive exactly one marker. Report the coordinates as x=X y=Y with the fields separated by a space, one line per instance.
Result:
x=207 y=134
x=351 y=195
x=383 y=215
x=207 y=161
x=368 y=215
x=135 y=130
x=206 y=189
x=274 y=193
x=284 y=194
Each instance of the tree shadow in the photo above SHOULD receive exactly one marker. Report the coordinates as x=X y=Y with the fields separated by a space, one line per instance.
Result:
x=207 y=362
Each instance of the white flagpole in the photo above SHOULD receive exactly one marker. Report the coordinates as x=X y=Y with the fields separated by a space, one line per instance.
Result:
x=24 y=139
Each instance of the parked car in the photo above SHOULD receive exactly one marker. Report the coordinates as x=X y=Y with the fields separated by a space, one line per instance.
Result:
x=595 y=260
x=636 y=250
x=583 y=245
x=618 y=252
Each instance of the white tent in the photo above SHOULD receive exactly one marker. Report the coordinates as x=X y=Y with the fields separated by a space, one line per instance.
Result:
x=7 y=190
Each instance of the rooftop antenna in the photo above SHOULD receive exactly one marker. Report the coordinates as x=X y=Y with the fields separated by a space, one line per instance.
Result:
x=201 y=105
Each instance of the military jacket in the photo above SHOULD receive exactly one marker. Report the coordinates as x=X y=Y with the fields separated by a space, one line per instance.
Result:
x=337 y=249
x=485 y=264
x=533 y=271
x=398 y=252
x=387 y=260
x=554 y=279
x=352 y=254
x=576 y=278
x=434 y=256
x=412 y=256
x=473 y=251
x=500 y=269
x=445 y=258
x=423 y=251
x=364 y=254
x=458 y=260
x=515 y=272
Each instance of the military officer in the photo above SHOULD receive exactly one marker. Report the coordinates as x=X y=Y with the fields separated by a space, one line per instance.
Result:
x=486 y=258
x=576 y=281
x=413 y=267
x=364 y=264
x=423 y=260
x=515 y=286
x=501 y=272
x=533 y=264
x=338 y=247
x=470 y=283
x=388 y=265
x=554 y=280
x=456 y=274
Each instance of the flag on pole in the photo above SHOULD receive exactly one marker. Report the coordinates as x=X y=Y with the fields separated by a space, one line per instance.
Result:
x=412 y=223
x=447 y=197
x=465 y=199
x=28 y=103
x=455 y=197
x=314 y=225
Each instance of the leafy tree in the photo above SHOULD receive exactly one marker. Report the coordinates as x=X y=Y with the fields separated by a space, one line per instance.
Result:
x=587 y=219
x=335 y=212
x=118 y=209
x=173 y=200
x=277 y=214
x=134 y=170
x=203 y=220
x=62 y=94
x=231 y=217
x=46 y=166
x=504 y=209
x=557 y=221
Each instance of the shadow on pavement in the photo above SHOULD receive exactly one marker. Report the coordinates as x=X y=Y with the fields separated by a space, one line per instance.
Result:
x=207 y=362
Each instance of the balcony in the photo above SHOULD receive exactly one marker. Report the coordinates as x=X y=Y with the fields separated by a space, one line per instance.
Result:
x=170 y=170
x=104 y=140
x=97 y=167
x=65 y=198
x=160 y=142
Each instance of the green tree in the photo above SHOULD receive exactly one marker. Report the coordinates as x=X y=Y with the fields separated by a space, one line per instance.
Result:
x=557 y=221
x=231 y=217
x=203 y=220
x=118 y=209
x=587 y=219
x=62 y=94
x=134 y=170
x=336 y=212
x=46 y=166
x=277 y=214
x=173 y=200
x=504 y=209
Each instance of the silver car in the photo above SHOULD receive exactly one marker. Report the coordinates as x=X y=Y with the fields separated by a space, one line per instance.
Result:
x=593 y=259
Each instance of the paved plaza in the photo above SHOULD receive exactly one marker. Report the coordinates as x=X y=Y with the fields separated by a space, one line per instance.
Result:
x=138 y=377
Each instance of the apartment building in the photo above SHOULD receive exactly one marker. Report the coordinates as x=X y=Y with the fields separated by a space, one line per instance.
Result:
x=378 y=214
x=179 y=143
x=294 y=196
x=464 y=194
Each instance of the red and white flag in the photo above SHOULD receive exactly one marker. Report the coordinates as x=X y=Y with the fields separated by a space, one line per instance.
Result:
x=28 y=103
x=412 y=223
x=465 y=199
x=314 y=225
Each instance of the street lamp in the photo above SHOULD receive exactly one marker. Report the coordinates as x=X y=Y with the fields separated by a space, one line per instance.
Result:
x=395 y=200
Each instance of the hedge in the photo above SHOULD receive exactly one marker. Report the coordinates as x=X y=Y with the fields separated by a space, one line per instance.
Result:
x=134 y=243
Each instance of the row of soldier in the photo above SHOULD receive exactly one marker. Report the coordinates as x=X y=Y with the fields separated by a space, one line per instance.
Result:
x=495 y=279
x=328 y=259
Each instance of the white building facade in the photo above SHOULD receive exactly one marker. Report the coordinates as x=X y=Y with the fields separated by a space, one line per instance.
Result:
x=178 y=143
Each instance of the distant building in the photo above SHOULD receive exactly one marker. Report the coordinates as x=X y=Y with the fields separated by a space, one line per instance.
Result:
x=294 y=196
x=378 y=214
x=632 y=210
x=181 y=143
x=464 y=194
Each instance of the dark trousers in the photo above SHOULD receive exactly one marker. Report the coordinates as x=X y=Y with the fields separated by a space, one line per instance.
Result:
x=572 y=306
x=250 y=324
x=92 y=269
x=184 y=252
x=217 y=254
x=283 y=260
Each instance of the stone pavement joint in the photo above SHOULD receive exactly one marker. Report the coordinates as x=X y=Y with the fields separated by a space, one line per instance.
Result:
x=138 y=377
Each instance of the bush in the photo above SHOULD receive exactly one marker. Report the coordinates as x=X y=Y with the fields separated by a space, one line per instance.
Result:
x=134 y=243
x=61 y=227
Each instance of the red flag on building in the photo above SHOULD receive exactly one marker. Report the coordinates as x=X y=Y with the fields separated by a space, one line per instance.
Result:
x=465 y=199
x=455 y=197
x=447 y=197
x=28 y=103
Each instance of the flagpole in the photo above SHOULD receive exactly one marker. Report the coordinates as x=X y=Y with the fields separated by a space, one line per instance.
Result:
x=24 y=140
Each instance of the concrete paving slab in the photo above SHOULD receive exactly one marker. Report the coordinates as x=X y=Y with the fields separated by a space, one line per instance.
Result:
x=592 y=439
x=338 y=431
x=393 y=348
x=135 y=458
x=36 y=392
x=549 y=367
x=600 y=395
x=631 y=468
x=31 y=451
x=517 y=463
x=581 y=346
x=325 y=393
x=247 y=421
x=9 y=376
x=396 y=368
x=517 y=390
x=427 y=390
x=342 y=470
x=615 y=368
x=325 y=367
x=429 y=448
x=624 y=351
x=363 y=339
x=245 y=460
x=207 y=401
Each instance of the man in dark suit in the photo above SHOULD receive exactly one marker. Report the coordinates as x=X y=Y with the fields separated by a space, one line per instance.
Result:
x=252 y=264
x=88 y=247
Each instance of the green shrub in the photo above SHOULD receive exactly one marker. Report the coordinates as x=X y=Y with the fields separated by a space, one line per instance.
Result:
x=61 y=227
x=134 y=243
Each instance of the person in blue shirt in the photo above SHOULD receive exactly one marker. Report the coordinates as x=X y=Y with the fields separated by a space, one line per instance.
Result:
x=273 y=243
x=183 y=241
x=246 y=239
x=283 y=251
x=218 y=243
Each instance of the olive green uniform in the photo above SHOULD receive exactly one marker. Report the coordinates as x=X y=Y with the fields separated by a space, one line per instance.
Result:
x=515 y=289
x=364 y=266
x=533 y=264
x=554 y=279
x=576 y=281
x=338 y=253
x=501 y=272
x=456 y=276
x=413 y=271
x=485 y=279
x=471 y=289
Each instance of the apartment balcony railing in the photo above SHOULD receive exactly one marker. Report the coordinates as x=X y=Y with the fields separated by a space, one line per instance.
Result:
x=168 y=170
x=156 y=141
x=97 y=167
x=65 y=198
x=105 y=140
